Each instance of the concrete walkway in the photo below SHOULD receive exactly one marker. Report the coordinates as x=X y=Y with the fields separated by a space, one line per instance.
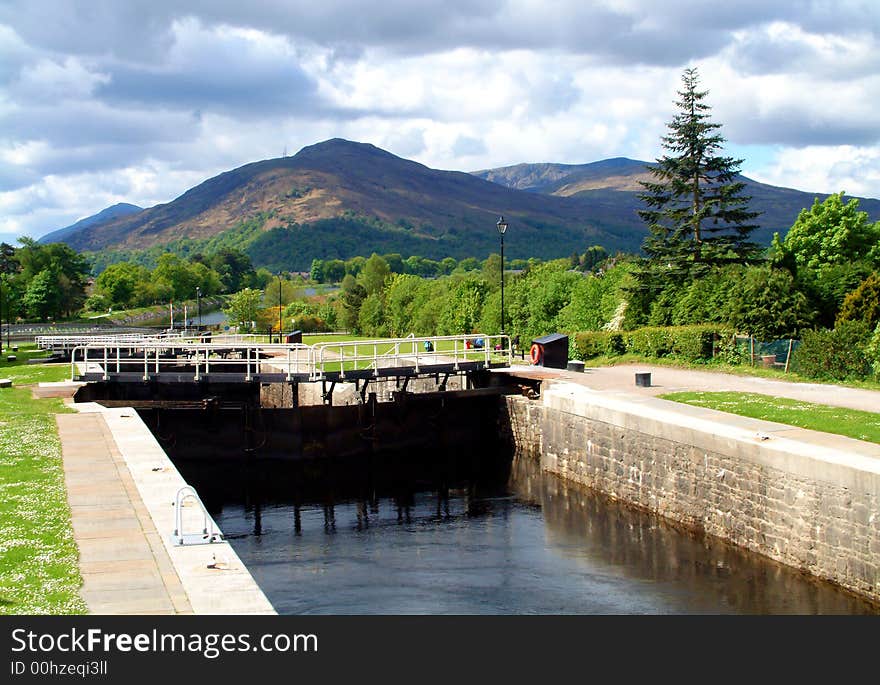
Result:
x=666 y=379
x=120 y=488
x=123 y=562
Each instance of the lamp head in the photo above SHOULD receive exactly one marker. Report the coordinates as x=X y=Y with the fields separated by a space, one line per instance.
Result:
x=502 y=226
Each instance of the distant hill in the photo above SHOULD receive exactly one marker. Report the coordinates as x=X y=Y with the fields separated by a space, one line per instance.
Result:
x=118 y=210
x=338 y=199
x=614 y=185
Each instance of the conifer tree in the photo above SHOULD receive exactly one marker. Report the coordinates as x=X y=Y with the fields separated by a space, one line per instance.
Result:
x=695 y=210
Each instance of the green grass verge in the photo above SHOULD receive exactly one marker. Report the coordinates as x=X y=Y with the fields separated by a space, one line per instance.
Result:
x=22 y=373
x=862 y=425
x=39 y=563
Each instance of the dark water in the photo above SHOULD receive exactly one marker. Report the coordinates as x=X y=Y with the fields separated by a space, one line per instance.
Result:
x=425 y=535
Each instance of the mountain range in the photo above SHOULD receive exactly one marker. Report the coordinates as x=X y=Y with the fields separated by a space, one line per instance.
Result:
x=338 y=199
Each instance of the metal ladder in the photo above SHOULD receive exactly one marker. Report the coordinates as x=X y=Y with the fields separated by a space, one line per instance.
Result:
x=208 y=535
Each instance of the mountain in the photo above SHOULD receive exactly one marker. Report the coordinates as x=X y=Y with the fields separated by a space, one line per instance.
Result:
x=615 y=184
x=118 y=210
x=338 y=199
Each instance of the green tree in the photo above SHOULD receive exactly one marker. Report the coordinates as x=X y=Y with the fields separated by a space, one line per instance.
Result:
x=863 y=303
x=768 y=306
x=316 y=273
x=205 y=278
x=492 y=270
x=42 y=298
x=119 y=283
x=371 y=317
x=373 y=275
x=352 y=297
x=447 y=265
x=288 y=292
x=234 y=269
x=400 y=298
x=244 y=307
x=463 y=308
x=395 y=263
x=175 y=273
x=468 y=264
x=696 y=213
x=354 y=265
x=69 y=271
x=830 y=233
x=334 y=270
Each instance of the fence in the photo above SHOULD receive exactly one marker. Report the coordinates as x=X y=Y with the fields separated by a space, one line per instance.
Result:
x=769 y=354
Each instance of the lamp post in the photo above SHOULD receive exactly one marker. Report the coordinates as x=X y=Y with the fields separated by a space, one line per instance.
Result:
x=502 y=229
x=279 y=307
x=199 y=301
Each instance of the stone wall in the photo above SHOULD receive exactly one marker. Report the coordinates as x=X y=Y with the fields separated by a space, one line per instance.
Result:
x=812 y=507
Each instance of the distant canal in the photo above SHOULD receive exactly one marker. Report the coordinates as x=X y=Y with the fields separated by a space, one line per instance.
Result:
x=419 y=534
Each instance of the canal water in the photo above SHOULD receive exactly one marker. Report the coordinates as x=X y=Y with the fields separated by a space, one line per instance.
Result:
x=434 y=534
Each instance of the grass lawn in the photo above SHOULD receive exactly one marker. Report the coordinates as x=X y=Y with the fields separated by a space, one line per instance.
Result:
x=862 y=425
x=22 y=373
x=39 y=570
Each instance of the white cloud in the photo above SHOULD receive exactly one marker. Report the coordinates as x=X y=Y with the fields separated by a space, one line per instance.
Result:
x=826 y=169
x=102 y=101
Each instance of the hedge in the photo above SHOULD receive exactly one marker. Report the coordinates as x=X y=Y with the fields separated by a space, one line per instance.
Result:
x=836 y=355
x=689 y=343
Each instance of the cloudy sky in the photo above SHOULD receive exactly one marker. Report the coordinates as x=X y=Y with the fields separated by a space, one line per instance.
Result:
x=103 y=101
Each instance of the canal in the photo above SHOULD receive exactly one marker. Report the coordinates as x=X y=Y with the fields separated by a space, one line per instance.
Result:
x=433 y=533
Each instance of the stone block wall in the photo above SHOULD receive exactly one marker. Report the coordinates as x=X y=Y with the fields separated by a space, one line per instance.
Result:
x=807 y=506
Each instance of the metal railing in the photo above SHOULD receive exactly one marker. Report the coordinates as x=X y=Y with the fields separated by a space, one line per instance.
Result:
x=231 y=354
x=205 y=357
x=374 y=355
x=65 y=343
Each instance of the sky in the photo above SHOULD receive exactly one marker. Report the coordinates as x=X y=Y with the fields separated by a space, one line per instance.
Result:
x=106 y=101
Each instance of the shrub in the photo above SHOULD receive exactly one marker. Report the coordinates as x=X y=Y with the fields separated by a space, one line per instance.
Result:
x=590 y=344
x=651 y=341
x=690 y=343
x=693 y=343
x=837 y=354
x=615 y=344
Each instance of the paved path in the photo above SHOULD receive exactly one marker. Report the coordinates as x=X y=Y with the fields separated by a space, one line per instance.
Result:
x=123 y=562
x=666 y=379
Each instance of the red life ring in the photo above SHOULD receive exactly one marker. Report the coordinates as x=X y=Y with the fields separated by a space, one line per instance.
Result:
x=536 y=353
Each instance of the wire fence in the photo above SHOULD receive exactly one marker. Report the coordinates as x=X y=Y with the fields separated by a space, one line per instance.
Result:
x=772 y=354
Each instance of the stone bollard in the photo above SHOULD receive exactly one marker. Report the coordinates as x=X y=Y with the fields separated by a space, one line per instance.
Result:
x=575 y=365
x=643 y=380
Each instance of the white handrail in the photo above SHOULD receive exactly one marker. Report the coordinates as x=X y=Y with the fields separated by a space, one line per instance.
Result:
x=314 y=361
x=209 y=533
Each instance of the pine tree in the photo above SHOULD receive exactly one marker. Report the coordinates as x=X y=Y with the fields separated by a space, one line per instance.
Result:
x=695 y=209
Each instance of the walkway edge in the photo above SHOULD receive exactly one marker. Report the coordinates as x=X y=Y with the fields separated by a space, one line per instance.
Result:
x=213 y=576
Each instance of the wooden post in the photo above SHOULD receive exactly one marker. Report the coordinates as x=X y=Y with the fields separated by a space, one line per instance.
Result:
x=788 y=356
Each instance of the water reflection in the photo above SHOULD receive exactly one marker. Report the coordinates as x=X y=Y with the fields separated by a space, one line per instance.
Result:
x=437 y=533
